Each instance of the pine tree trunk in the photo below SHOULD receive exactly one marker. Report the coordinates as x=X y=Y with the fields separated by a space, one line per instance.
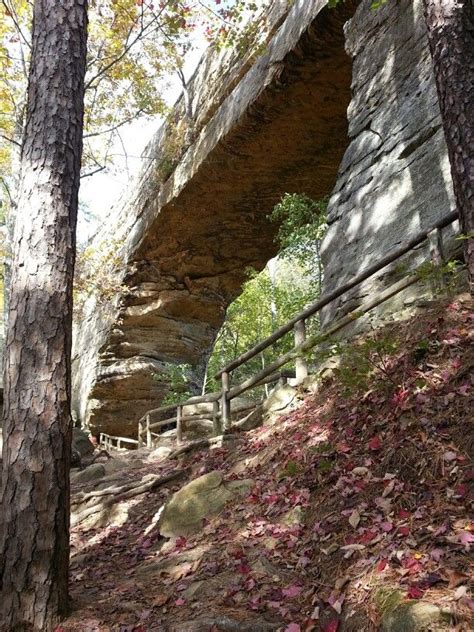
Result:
x=34 y=522
x=450 y=25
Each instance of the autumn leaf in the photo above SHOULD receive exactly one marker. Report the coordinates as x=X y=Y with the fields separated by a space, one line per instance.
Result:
x=291 y=591
x=375 y=444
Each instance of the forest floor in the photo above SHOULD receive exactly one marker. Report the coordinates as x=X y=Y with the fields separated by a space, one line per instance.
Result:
x=360 y=502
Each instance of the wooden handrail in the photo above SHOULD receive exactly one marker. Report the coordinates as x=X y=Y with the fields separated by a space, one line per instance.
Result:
x=328 y=298
x=273 y=371
x=318 y=339
x=209 y=398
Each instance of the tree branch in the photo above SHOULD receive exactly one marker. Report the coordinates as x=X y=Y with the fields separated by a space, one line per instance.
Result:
x=10 y=140
x=114 y=127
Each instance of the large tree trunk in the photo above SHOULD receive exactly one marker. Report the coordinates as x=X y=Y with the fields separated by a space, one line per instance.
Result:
x=450 y=25
x=34 y=523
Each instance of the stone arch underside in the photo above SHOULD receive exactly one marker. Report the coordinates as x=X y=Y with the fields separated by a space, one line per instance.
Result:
x=192 y=239
x=262 y=129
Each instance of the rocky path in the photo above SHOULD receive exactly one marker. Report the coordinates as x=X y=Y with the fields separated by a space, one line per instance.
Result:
x=351 y=511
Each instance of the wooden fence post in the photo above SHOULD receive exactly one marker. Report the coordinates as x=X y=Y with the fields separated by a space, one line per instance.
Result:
x=215 y=419
x=225 y=402
x=179 y=424
x=148 y=432
x=435 y=244
x=301 y=366
x=140 y=435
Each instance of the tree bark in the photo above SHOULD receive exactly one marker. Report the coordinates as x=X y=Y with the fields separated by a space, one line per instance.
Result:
x=450 y=26
x=34 y=522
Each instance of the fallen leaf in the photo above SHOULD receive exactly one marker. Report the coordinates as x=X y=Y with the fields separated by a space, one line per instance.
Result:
x=375 y=444
x=354 y=519
x=460 y=592
x=291 y=591
x=414 y=592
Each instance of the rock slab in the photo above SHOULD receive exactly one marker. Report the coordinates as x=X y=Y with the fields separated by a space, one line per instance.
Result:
x=204 y=497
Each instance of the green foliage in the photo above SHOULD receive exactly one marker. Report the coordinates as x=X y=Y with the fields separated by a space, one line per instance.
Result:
x=302 y=226
x=291 y=469
x=267 y=301
x=271 y=298
x=176 y=378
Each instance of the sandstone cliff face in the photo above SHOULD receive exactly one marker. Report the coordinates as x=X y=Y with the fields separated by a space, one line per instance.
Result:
x=279 y=124
x=394 y=179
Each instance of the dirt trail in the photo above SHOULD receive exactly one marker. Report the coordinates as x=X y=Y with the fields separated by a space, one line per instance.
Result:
x=360 y=507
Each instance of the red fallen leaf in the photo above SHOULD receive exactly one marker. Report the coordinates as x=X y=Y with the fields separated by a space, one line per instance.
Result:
x=415 y=593
x=244 y=568
x=465 y=538
x=403 y=514
x=381 y=565
x=367 y=537
x=461 y=490
x=291 y=591
x=330 y=626
x=400 y=396
x=180 y=542
x=404 y=531
x=179 y=602
x=343 y=447
x=456 y=363
x=375 y=444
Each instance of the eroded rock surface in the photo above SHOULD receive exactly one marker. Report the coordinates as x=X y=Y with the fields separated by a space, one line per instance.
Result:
x=261 y=130
x=202 y=498
x=284 y=122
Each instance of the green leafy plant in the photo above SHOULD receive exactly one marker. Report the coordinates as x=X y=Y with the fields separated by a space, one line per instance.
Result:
x=302 y=226
x=176 y=378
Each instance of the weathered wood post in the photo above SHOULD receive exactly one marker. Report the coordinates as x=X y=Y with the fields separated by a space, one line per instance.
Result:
x=282 y=380
x=140 y=434
x=148 y=432
x=435 y=244
x=301 y=366
x=225 y=402
x=179 y=424
x=215 y=419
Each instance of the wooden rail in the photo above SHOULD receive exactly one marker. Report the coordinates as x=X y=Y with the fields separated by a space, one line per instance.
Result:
x=221 y=401
x=109 y=442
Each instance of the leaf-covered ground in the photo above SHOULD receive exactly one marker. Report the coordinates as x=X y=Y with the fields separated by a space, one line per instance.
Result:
x=362 y=497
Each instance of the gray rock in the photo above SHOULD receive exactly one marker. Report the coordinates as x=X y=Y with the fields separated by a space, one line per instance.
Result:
x=204 y=497
x=279 y=399
x=176 y=290
x=92 y=473
x=416 y=616
x=81 y=442
x=254 y=419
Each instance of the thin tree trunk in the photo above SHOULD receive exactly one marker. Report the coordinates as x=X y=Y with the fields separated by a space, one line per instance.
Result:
x=450 y=26
x=34 y=523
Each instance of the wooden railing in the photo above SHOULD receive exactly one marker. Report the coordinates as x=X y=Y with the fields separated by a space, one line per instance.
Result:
x=109 y=442
x=221 y=400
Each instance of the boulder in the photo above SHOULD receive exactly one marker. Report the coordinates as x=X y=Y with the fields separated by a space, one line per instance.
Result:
x=81 y=442
x=416 y=616
x=92 y=473
x=252 y=420
x=279 y=399
x=204 y=497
